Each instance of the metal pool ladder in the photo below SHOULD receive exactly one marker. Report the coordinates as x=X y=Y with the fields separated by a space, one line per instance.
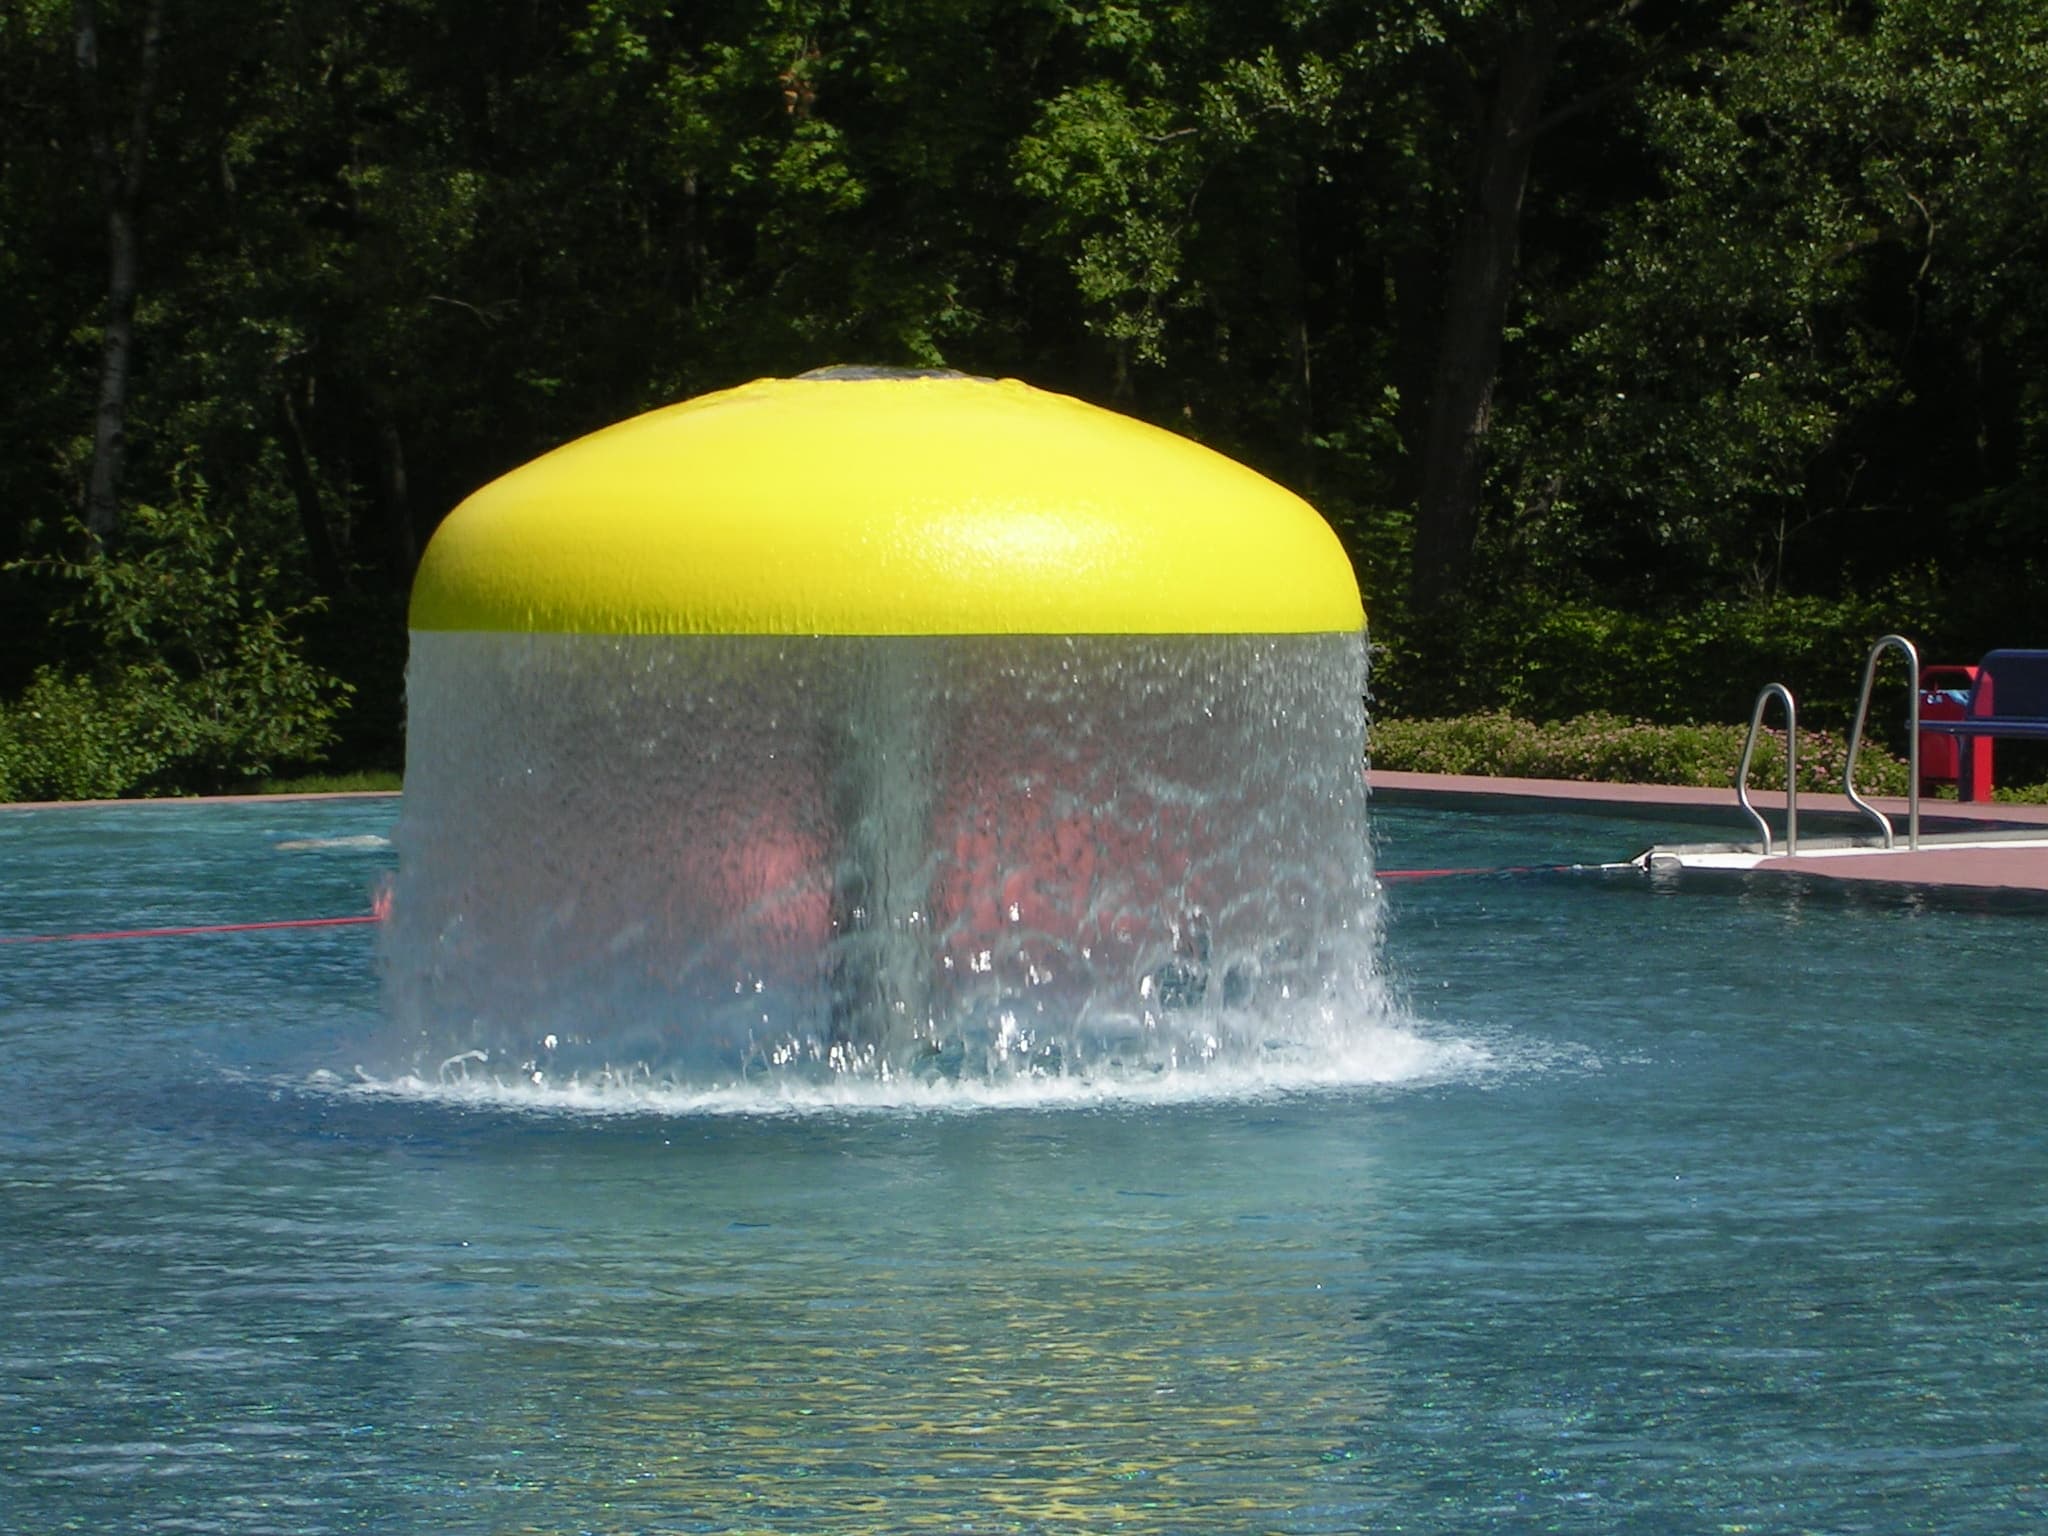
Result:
x=1884 y=825
x=1756 y=722
x=1912 y=742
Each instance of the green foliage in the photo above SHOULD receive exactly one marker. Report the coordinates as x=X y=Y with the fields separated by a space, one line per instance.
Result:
x=1791 y=357
x=1772 y=385
x=1607 y=748
x=68 y=738
x=198 y=681
x=1534 y=656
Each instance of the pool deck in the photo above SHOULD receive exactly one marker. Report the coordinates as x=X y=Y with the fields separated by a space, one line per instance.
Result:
x=1963 y=847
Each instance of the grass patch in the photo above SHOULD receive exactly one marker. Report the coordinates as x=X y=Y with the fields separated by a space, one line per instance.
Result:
x=376 y=780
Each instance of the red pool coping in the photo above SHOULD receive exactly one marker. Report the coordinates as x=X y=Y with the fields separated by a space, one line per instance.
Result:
x=1981 y=867
x=152 y=800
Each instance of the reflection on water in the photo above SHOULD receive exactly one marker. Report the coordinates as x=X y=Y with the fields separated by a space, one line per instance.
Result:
x=421 y=1316
x=1011 y=1322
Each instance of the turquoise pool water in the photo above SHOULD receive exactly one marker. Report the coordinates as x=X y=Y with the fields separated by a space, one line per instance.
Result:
x=1707 y=1210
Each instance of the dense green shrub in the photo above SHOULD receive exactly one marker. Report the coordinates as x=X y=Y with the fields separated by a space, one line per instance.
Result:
x=199 y=682
x=68 y=738
x=1605 y=748
x=1531 y=655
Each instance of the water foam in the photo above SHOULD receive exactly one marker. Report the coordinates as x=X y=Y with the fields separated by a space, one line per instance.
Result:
x=885 y=869
x=1392 y=1058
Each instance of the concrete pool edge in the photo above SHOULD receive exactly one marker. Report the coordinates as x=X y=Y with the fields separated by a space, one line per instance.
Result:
x=1985 y=846
x=1979 y=866
x=1692 y=801
x=1583 y=794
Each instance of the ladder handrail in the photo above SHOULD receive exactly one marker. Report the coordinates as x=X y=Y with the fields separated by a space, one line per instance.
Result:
x=1912 y=740
x=1756 y=722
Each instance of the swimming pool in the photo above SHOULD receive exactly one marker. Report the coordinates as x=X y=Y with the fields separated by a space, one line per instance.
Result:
x=1718 y=1209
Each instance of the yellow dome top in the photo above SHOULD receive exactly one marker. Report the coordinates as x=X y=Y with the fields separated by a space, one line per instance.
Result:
x=850 y=504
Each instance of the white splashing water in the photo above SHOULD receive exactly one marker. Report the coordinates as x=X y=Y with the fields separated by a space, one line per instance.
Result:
x=839 y=870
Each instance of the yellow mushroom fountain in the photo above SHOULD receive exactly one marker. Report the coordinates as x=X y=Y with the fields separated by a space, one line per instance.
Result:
x=881 y=725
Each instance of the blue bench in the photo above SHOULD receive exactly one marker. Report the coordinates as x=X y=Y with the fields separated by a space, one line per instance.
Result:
x=2010 y=699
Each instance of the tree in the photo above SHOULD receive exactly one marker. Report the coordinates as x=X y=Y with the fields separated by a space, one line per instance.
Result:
x=1660 y=304
x=1803 y=345
x=1387 y=151
x=121 y=164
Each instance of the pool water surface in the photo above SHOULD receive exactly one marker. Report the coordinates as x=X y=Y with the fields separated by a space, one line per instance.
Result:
x=1706 y=1209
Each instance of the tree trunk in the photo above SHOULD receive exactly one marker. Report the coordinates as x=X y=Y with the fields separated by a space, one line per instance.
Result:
x=328 y=569
x=121 y=189
x=401 y=542
x=1416 y=318
x=1477 y=293
x=1304 y=354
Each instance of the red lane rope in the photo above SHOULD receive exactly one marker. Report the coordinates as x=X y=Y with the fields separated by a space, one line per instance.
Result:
x=1491 y=869
x=1428 y=874
x=179 y=933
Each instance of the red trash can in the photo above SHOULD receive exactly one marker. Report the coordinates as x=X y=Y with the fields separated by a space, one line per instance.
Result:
x=1945 y=695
